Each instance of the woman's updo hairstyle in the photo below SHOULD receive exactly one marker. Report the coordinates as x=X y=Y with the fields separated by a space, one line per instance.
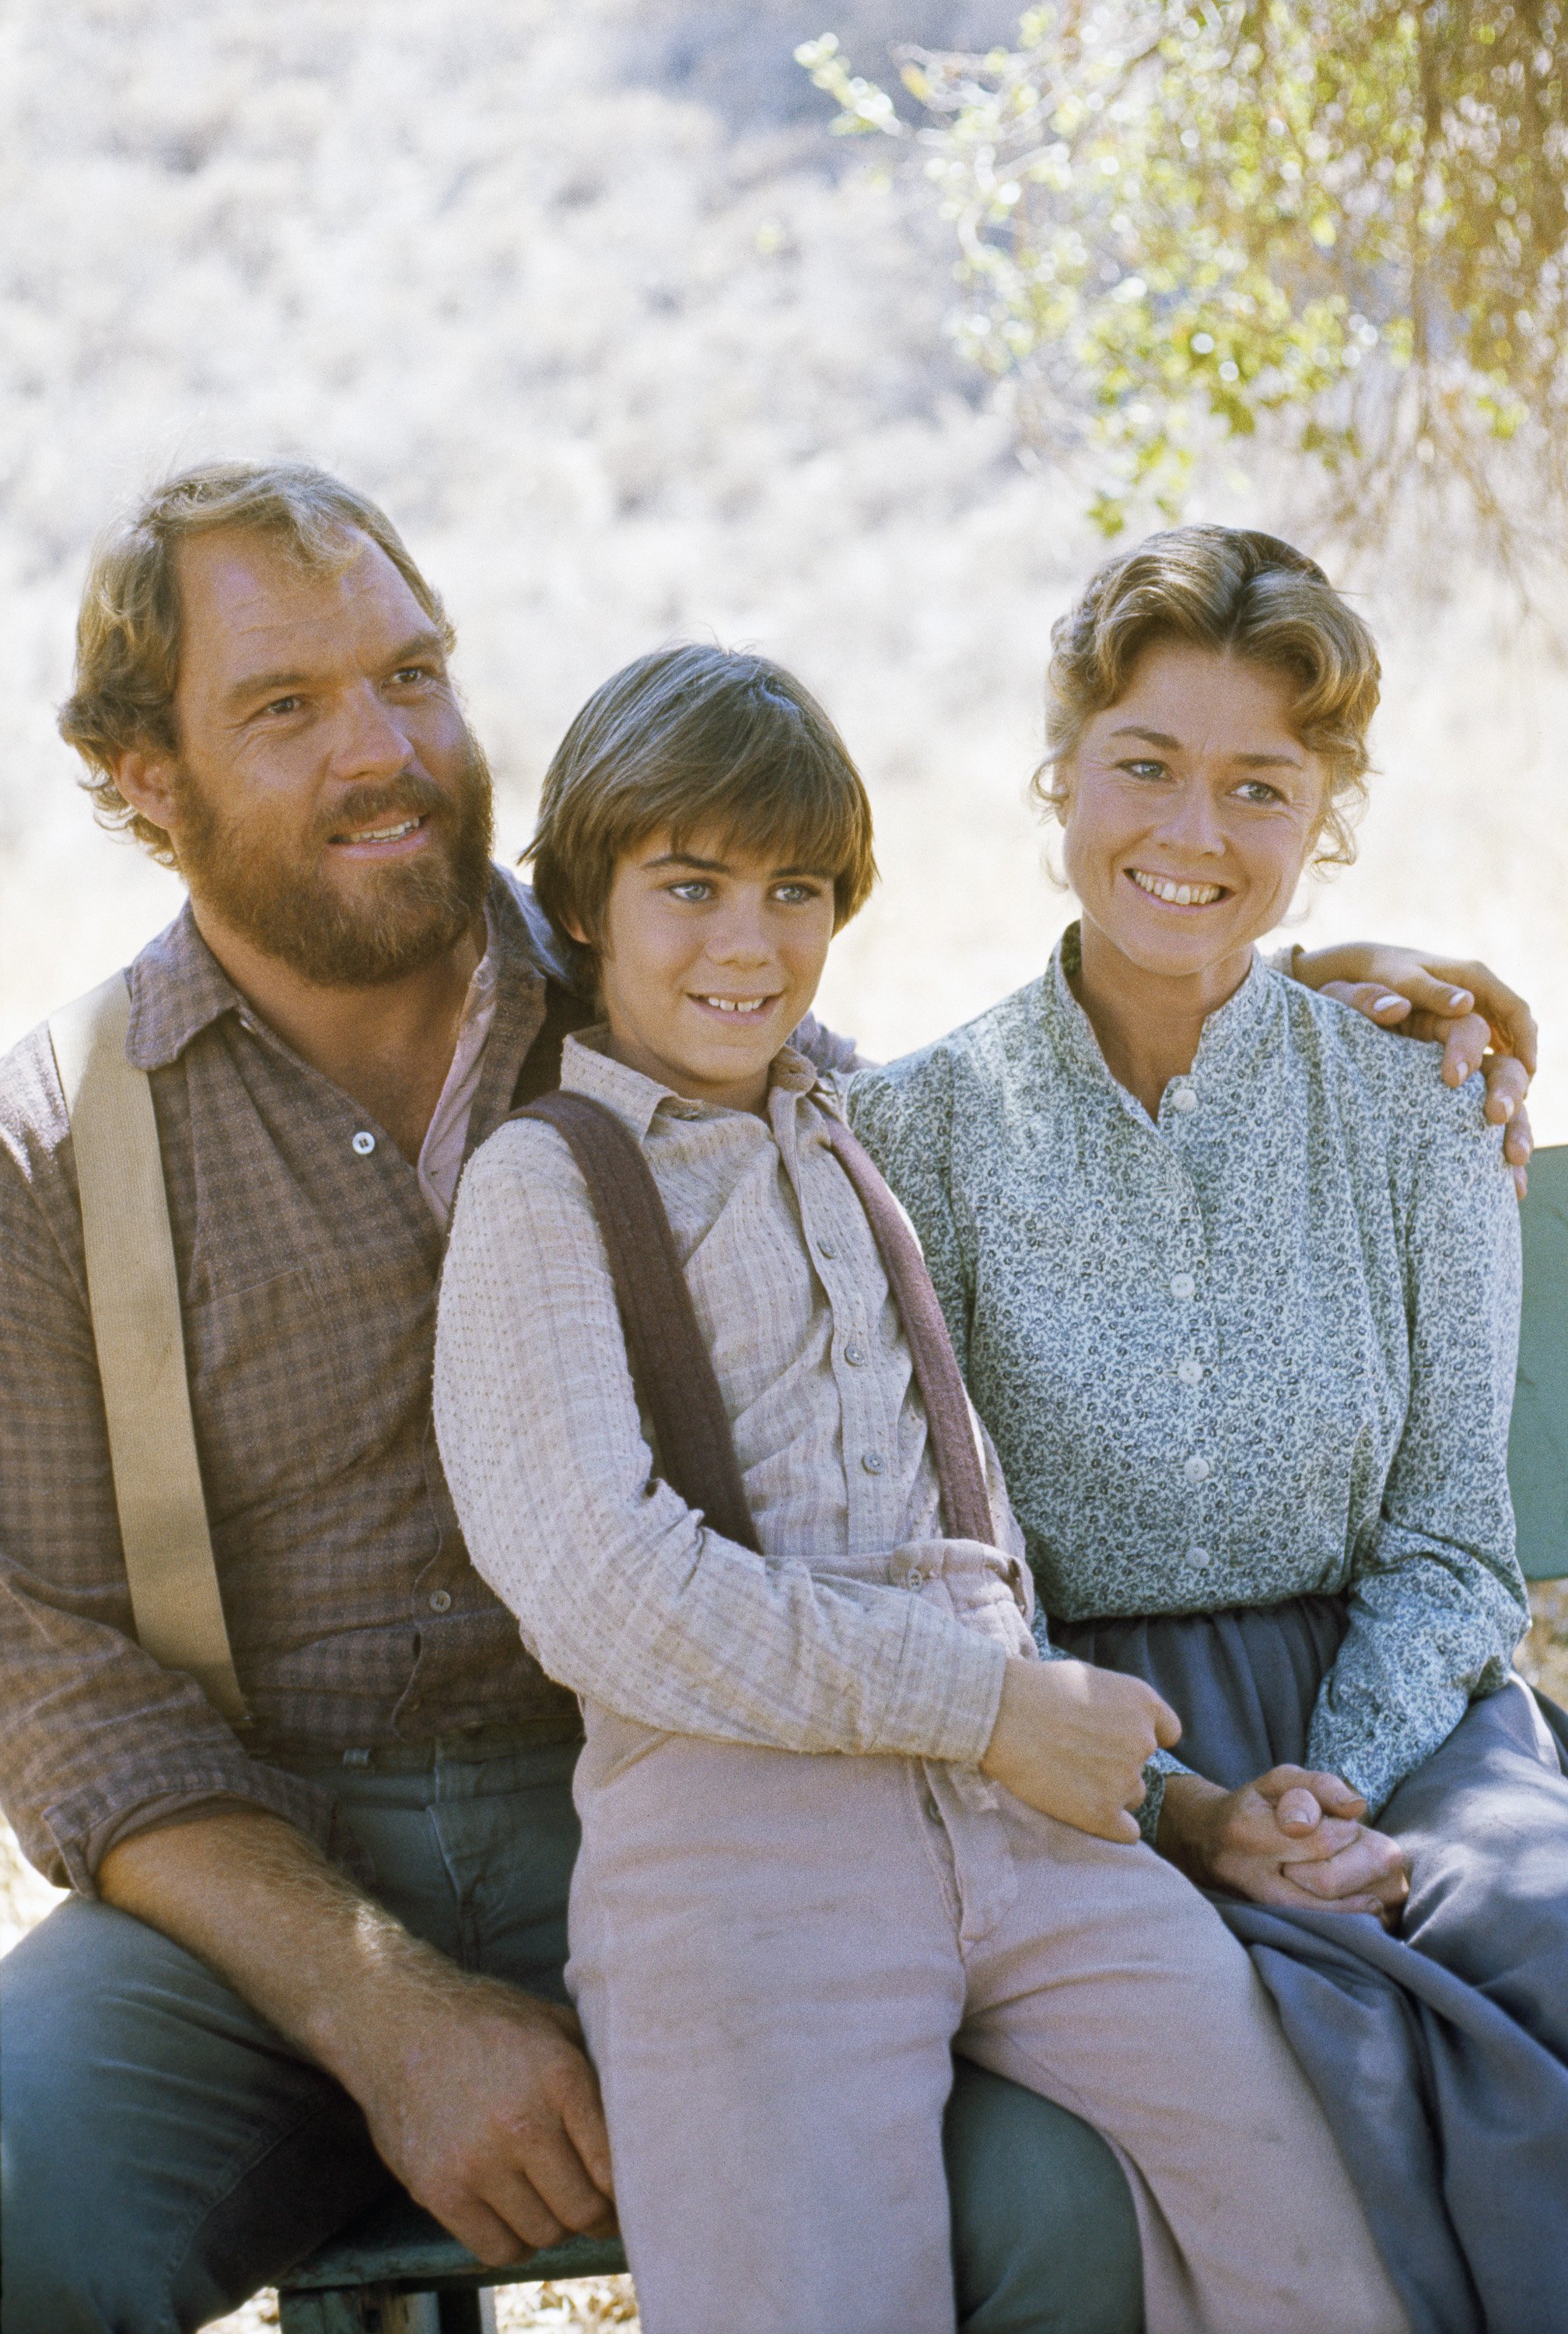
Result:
x=1242 y=595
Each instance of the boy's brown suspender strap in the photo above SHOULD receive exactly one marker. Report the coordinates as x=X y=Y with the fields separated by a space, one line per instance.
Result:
x=669 y=1360
x=966 y=1504
x=133 y=1295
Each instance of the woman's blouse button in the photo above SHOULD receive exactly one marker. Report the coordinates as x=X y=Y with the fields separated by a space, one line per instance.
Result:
x=1198 y=1557
x=1183 y=1284
x=1184 y=1099
x=1190 y=1372
x=1196 y=1470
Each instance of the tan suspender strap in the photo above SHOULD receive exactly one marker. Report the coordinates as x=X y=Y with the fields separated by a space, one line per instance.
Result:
x=133 y=1291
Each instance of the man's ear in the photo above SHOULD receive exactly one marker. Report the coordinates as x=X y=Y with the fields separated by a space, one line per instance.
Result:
x=148 y=782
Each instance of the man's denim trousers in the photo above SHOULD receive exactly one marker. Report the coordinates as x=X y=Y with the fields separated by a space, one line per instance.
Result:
x=166 y=2152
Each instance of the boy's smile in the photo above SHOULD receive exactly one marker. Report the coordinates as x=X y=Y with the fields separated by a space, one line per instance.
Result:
x=711 y=956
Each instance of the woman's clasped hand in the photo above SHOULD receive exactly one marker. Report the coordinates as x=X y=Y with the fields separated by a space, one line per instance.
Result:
x=1292 y=1838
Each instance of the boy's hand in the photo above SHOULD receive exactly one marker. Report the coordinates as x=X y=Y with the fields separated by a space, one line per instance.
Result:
x=1479 y=1021
x=1071 y=1741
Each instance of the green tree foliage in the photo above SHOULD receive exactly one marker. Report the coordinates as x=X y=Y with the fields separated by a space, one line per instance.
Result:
x=1338 y=224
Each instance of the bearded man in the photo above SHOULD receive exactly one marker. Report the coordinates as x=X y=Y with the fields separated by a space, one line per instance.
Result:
x=317 y=1954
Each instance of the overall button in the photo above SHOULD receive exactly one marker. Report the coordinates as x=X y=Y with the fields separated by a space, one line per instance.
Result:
x=1183 y=1284
x=1198 y=1557
x=1184 y=1099
x=855 y=1356
x=364 y=1142
x=440 y=1600
x=1197 y=1471
x=1190 y=1372
x=873 y=1462
x=915 y=1578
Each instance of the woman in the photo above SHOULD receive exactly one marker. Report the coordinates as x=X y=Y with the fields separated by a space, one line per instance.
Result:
x=1235 y=1286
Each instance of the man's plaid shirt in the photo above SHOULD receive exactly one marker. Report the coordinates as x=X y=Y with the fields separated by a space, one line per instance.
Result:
x=308 y=1266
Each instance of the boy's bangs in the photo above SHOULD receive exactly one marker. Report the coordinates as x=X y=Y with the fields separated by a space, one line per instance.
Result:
x=788 y=809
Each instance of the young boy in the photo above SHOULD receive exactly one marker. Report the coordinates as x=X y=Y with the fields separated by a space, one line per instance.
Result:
x=838 y=1818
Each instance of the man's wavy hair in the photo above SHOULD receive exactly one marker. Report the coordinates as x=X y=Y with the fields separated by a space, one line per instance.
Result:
x=1242 y=595
x=694 y=739
x=128 y=634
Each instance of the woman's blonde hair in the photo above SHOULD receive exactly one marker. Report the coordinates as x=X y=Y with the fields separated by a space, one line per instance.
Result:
x=1242 y=595
x=695 y=739
x=128 y=634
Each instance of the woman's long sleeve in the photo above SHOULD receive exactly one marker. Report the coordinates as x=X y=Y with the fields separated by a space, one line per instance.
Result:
x=1437 y=1601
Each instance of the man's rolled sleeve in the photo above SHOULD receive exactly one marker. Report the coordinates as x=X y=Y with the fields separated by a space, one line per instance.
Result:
x=101 y=1740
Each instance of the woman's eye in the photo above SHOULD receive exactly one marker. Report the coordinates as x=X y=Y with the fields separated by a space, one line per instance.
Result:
x=1258 y=790
x=1144 y=770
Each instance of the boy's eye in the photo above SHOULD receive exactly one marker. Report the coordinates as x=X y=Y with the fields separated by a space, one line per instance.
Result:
x=692 y=888
x=796 y=895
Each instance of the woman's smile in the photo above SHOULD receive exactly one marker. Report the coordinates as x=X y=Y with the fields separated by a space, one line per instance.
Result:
x=1176 y=890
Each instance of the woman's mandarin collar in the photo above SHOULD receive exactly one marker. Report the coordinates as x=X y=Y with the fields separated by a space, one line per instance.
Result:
x=1231 y=1030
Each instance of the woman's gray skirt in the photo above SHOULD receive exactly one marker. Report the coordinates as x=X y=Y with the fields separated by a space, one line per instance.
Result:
x=1440 y=2055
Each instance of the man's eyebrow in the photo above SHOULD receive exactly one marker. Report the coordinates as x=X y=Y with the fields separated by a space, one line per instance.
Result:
x=270 y=684
x=1173 y=744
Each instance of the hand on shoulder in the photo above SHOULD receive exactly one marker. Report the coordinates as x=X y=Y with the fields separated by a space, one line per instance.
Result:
x=1479 y=1021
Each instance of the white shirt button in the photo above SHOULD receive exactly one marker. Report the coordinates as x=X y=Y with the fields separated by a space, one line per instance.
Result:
x=364 y=1142
x=1190 y=1372
x=1183 y=1284
x=826 y=1248
x=873 y=1462
x=1184 y=1099
x=1196 y=1470
x=1198 y=1557
x=855 y=1356
x=915 y=1577
x=440 y=1600
x=932 y=1809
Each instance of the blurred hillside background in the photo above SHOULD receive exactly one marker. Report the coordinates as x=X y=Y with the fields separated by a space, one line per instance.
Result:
x=632 y=347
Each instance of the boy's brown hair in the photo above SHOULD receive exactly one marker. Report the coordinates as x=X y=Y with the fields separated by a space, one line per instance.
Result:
x=695 y=739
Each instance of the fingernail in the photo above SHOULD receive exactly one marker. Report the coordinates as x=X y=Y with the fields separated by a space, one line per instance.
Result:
x=1457 y=996
x=1508 y=1108
x=1387 y=1004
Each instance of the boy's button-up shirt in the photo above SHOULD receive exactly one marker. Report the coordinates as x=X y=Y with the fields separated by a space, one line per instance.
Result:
x=845 y=1634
